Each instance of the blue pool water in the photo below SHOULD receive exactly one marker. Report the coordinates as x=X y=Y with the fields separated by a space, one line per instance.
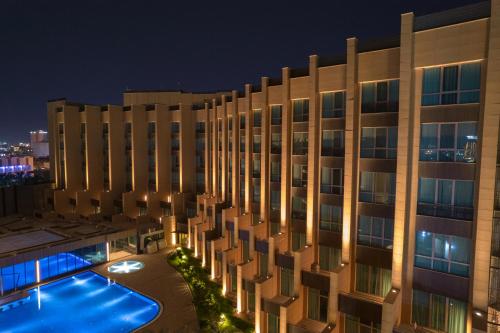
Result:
x=86 y=302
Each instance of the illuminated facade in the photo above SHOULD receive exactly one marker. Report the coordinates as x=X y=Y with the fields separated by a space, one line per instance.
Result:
x=354 y=195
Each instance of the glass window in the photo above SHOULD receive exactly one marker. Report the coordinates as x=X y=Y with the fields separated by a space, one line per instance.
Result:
x=373 y=280
x=256 y=168
x=443 y=253
x=331 y=181
x=286 y=281
x=299 y=175
x=273 y=323
x=375 y=231
x=431 y=310
x=300 y=110
x=333 y=104
x=276 y=111
x=276 y=171
x=377 y=187
x=380 y=96
x=329 y=257
x=332 y=143
x=330 y=217
x=448 y=142
x=298 y=240
x=275 y=200
x=379 y=142
x=317 y=305
x=452 y=84
x=446 y=198
x=275 y=143
x=257 y=118
x=300 y=142
x=256 y=143
x=299 y=206
x=256 y=193
x=263 y=262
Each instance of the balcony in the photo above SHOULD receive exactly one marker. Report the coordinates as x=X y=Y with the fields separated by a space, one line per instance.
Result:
x=275 y=149
x=299 y=182
x=299 y=148
x=446 y=211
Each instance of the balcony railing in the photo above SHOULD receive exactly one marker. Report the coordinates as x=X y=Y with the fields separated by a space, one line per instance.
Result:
x=332 y=151
x=446 y=211
x=332 y=189
x=375 y=197
x=299 y=182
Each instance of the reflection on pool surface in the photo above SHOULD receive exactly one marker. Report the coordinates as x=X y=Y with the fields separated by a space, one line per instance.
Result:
x=85 y=302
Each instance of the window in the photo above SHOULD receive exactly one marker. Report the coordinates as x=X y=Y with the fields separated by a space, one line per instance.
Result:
x=242 y=143
x=298 y=240
x=380 y=96
x=256 y=168
x=256 y=193
x=329 y=257
x=300 y=110
x=377 y=187
x=446 y=198
x=317 y=305
x=262 y=258
x=379 y=142
x=257 y=118
x=275 y=143
x=375 y=231
x=299 y=175
x=256 y=143
x=273 y=323
x=300 y=141
x=442 y=253
x=275 y=200
x=276 y=111
x=332 y=143
x=276 y=171
x=431 y=310
x=331 y=181
x=333 y=104
x=373 y=280
x=299 y=206
x=286 y=281
x=242 y=166
x=354 y=325
x=330 y=217
x=242 y=121
x=448 y=142
x=175 y=127
x=245 y=250
x=200 y=127
x=457 y=84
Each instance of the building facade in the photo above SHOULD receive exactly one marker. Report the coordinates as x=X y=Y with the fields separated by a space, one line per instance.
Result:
x=356 y=194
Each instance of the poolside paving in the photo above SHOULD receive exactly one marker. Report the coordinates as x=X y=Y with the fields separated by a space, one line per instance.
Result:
x=163 y=283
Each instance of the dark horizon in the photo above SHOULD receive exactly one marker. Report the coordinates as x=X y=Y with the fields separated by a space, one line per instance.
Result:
x=94 y=51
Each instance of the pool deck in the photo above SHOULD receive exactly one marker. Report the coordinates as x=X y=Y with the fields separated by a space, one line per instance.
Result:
x=163 y=283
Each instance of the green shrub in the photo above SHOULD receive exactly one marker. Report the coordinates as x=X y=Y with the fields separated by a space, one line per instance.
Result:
x=215 y=312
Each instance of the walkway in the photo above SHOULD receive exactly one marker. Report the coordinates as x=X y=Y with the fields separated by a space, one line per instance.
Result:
x=162 y=282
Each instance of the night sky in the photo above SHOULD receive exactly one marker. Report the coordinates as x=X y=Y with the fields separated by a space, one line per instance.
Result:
x=91 y=51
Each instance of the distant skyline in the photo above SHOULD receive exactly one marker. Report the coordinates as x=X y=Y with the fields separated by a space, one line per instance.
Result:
x=93 y=51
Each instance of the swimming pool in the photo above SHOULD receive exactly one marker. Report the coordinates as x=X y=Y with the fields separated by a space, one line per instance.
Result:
x=86 y=302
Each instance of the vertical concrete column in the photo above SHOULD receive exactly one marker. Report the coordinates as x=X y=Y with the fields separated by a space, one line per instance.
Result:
x=264 y=153
x=116 y=150
x=187 y=158
x=239 y=287
x=203 y=249
x=224 y=272
x=94 y=144
x=486 y=169
x=224 y=194
x=248 y=149
x=212 y=261
x=406 y=124
x=208 y=176
x=286 y=135
x=235 y=157
x=53 y=148
x=215 y=151
x=313 y=155
x=72 y=158
x=258 y=312
x=271 y=246
x=163 y=150
x=351 y=151
x=139 y=150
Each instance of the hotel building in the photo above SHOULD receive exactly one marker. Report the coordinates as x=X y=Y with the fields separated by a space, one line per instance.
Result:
x=356 y=194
